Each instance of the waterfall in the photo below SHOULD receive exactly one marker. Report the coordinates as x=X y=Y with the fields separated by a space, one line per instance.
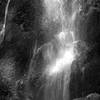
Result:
x=61 y=53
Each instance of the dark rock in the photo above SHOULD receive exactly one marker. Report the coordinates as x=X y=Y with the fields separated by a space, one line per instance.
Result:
x=92 y=96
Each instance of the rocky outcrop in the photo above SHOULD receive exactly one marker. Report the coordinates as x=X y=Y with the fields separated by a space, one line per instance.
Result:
x=92 y=96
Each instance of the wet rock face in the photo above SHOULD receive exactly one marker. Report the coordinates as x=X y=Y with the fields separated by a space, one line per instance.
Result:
x=27 y=14
x=23 y=33
x=85 y=78
x=89 y=29
x=2 y=6
x=92 y=96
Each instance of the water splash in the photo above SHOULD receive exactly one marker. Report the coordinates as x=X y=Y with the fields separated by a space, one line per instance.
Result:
x=62 y=53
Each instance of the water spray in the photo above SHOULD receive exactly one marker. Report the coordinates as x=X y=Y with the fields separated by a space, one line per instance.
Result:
x=66 y=40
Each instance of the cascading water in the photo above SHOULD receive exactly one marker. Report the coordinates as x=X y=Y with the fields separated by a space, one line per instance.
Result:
x=2 y=32
x=61 y=52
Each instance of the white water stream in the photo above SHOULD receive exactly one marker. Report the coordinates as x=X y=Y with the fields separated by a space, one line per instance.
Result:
x=58 y=68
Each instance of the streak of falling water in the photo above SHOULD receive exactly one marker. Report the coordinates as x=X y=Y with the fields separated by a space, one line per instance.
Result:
x=2 y=32
x=58 y=68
